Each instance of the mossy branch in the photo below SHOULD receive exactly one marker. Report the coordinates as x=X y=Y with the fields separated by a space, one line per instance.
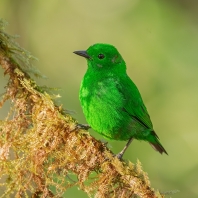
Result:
x=41 y=146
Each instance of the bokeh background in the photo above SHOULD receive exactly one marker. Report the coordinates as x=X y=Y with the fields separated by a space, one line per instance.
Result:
x=158 y=40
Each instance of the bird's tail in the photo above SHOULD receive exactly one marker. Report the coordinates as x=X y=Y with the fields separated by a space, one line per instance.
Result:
x=155 y=143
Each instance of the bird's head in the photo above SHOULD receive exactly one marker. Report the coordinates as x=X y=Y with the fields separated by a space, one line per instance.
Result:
x=103 y=57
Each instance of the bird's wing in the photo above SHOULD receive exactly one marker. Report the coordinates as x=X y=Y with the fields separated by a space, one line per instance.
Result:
x=133 y=104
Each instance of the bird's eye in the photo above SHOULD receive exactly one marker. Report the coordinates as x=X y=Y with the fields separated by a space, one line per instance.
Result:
x=101 y=56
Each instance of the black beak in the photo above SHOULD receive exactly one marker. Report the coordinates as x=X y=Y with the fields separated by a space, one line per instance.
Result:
x=82 y=53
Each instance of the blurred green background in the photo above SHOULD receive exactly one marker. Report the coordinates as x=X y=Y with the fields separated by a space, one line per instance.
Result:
x=158 y=40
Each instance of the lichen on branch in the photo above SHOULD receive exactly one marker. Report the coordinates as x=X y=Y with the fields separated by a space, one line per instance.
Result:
x=41 y=145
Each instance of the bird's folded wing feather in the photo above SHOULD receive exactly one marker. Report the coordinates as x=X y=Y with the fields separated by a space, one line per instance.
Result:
x=133 y=104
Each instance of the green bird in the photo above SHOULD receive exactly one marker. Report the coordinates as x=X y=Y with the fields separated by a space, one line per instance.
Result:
x=111 y=101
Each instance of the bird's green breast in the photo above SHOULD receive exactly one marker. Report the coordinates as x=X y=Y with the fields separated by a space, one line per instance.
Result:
x=102 y=104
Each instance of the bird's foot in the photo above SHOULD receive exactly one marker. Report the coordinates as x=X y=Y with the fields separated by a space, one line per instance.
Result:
x=80 y=126
x=119 y=155
x=83 y=126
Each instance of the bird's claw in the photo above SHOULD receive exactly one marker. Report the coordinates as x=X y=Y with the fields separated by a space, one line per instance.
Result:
x=83 y=126
x=119 y=155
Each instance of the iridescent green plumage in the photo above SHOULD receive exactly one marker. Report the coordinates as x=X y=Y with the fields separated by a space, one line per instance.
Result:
x=110 y=100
